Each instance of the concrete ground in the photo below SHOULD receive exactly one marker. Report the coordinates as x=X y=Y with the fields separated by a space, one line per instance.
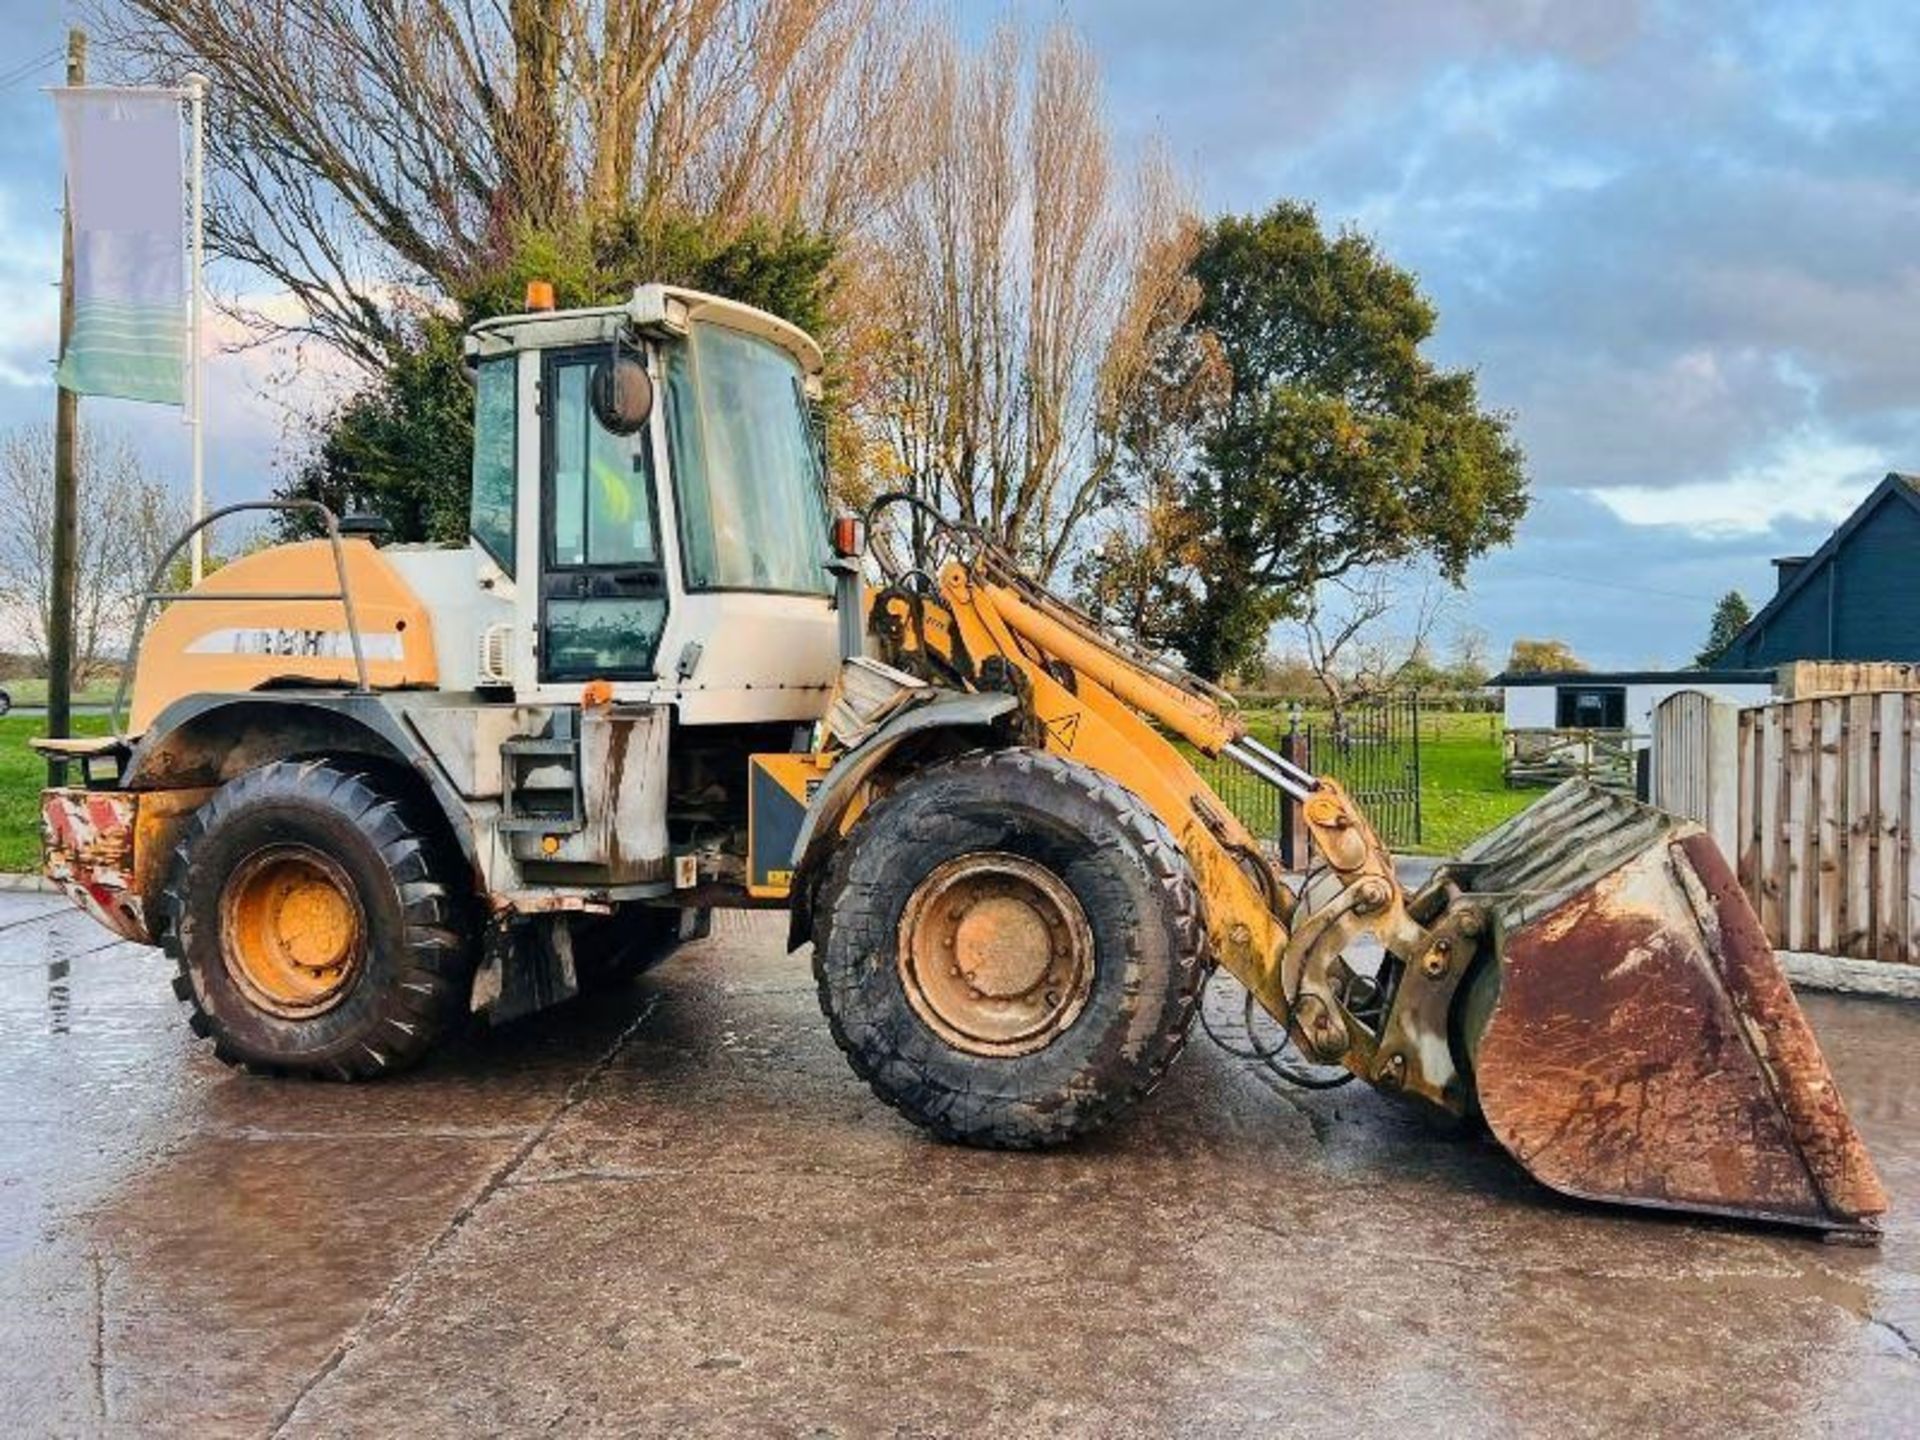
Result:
x=678 y=1211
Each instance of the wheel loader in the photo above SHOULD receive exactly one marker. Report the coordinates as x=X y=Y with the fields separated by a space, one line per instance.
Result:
x=365 y=791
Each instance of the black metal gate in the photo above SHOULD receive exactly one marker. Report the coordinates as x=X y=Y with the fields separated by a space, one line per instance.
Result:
x=1374 y=750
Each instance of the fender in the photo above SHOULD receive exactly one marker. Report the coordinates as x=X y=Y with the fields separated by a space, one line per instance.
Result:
x=205 y=740
x=942 y=710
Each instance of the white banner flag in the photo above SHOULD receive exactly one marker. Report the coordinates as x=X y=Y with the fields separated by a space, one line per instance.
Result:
x=126 y=188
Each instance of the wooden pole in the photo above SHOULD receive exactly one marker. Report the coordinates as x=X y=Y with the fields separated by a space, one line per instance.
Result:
x=197 y=370
x=66 y=421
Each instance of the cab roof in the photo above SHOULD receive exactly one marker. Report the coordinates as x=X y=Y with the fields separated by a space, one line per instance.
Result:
x=654 y=310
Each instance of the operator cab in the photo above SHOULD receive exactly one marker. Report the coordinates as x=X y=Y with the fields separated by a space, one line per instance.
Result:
x=649 y=509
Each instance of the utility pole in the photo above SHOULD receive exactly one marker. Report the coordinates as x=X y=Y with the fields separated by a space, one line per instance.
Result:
x=197 y=370
x=66 y=422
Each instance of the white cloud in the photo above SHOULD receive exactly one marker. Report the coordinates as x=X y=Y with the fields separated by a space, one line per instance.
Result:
x=1807 y=477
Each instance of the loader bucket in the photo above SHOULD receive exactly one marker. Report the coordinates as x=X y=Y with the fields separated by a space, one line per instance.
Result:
x=1634 y=1039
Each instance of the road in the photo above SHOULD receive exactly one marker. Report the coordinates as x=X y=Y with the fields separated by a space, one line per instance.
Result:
x=675 y=1210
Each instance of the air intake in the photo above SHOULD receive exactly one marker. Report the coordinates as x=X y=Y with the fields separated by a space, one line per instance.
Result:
x=496 y=655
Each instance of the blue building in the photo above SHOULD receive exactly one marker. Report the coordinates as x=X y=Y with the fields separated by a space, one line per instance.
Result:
x=1855 y=598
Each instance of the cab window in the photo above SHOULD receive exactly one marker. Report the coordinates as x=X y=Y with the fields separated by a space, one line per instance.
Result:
x=603 y=593
x=746 y=470
x=495 y=441
x=602 y=483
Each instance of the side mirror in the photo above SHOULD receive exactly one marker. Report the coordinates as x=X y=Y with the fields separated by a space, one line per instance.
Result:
x=621 y=394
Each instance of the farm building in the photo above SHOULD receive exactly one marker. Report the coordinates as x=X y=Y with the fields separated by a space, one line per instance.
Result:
x=1617 y=699
x=1854 y=598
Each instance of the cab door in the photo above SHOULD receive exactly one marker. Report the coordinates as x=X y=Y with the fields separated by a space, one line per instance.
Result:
x=603 y=583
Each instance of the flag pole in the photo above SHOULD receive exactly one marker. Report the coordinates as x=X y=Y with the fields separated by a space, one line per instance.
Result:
x=196 y=106
x=66 y=501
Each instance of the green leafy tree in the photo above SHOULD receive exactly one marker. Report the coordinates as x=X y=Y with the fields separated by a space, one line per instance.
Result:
x=1337 y=445
x=1730 y=617
x=1542 y=657
x=401 y=446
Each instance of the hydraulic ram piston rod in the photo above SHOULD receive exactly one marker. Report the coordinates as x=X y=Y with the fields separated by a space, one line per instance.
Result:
x=1275 y=769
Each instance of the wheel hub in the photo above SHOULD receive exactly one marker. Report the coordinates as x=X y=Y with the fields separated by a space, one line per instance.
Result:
x=996 y=954
x=291 y=930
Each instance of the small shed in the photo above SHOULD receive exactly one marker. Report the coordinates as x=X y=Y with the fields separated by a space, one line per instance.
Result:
x=1617 y=699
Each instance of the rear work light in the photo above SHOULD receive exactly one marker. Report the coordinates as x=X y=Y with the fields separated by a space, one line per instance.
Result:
x=849 y=536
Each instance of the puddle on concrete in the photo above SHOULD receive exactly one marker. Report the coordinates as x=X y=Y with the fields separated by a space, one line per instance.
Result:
x=180 y=1243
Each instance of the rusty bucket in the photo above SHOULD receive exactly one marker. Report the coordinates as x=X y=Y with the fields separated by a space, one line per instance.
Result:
x=1633 y=1038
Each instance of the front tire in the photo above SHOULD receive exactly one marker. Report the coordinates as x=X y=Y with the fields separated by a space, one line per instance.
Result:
x=1012 y=949
x=312 y=925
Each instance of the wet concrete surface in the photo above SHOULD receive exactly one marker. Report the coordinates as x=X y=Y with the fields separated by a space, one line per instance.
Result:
x=674 y=1209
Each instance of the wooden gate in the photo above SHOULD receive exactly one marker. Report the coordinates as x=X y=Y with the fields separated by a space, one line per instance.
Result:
x=1694 y=769
x=1826 y=824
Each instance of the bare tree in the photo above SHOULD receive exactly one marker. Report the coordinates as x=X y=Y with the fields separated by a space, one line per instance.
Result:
x=1003 y=287
x=1468 y=657
x=1365 y=630
x=366 y=150
x=1146 y=543
x=126 y=522
x=1025 y=280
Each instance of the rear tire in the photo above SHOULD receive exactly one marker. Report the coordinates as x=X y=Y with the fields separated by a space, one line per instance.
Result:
x=313 y=926
x=986 y=875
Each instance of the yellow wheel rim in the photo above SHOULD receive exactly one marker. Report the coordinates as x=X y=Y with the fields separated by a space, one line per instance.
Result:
x=292 y=931
x=996 y=954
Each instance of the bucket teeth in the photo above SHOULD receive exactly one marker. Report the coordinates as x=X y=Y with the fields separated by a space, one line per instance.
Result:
x=1643 y=1046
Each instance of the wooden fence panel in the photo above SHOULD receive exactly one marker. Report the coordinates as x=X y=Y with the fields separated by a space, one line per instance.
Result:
x=1745 y=854
x=1769 y=761
x=1828 y=807
x=1894 y=916
x=1823 y=821
x=1810 y=679
x=1545 y=757
x=1910 y=841
x=1860 y=817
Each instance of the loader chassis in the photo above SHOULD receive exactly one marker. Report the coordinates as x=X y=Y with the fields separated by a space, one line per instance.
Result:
x=428 y=781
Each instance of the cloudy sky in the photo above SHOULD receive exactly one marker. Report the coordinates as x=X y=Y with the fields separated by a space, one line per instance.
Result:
x=1678 y=241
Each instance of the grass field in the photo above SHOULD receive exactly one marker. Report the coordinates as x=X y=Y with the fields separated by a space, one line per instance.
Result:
x=1461 y=792
x=22 y=774
x=33 y=691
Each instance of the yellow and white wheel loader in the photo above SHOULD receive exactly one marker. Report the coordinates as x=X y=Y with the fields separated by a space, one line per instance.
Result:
x=365 y=790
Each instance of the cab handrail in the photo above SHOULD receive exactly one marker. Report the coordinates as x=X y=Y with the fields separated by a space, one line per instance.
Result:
x=153 y=595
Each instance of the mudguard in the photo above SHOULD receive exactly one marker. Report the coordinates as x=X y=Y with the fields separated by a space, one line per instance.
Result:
x=949 y=710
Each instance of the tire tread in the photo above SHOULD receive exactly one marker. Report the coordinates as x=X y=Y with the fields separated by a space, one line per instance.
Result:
x=425 y=996
x=892 y=1073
